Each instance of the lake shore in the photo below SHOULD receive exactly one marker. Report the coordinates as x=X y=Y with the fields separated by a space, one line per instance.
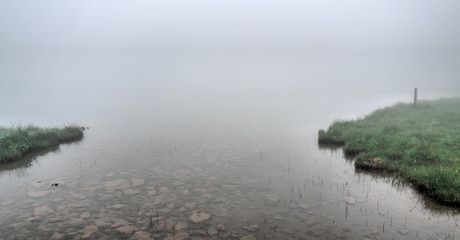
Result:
x=18 y=141
x=418 y=144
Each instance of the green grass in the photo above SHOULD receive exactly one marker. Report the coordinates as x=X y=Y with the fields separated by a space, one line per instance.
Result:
x=18 y=141
x=418 y=144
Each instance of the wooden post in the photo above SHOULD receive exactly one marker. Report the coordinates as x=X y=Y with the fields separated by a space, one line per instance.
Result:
x=415 y=97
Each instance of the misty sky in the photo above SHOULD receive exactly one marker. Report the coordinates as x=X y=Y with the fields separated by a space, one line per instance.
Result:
x=56 y=26
x=224 y=55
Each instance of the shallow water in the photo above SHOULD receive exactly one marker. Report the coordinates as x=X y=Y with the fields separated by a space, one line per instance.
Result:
x=185 y=158
x=270 y=183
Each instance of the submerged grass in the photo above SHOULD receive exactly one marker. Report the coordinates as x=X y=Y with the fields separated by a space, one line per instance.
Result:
x=17 y=141
x=419 y=144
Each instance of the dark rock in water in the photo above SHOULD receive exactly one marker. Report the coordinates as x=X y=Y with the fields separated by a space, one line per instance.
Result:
x=54 y=184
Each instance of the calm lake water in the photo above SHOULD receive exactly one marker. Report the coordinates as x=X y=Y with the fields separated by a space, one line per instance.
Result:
x=229 y=157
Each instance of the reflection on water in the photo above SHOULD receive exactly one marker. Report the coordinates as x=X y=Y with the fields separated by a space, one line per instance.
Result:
x=19 y=167
x=268 y=184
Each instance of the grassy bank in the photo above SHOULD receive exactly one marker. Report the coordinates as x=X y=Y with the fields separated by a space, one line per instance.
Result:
x=16 y=142
x=418 y=144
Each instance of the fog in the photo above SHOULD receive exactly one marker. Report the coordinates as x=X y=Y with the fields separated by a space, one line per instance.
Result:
x=222 y=62
x=211 y=110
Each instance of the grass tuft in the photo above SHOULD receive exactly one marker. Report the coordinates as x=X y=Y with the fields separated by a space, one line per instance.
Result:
x=17 y=141
x=419 y=144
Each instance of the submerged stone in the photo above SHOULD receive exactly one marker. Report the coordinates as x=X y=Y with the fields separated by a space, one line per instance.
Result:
x=56 y=236
x=199 y=217
x=43 y=210
x=164 y=190
x=303 y=206
x=102 y=222
x=115 y=183
x=350 y=200
x=119 y=222
x=208 y=195
x=126 y=229
x=179 y=236
x=403 y=231
x=248 y=237
x=251 y=228
x=76 y=221
x=130 y=192
x=37 y=194
x=272 y=198
x=212 y=232
x=84 y=203
x=117 y=206
x=88 y=231
x=181 y=226
x=190 y=205
x=137 y=182
x=221 y=227
x=141 y=235
x=85 y=215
